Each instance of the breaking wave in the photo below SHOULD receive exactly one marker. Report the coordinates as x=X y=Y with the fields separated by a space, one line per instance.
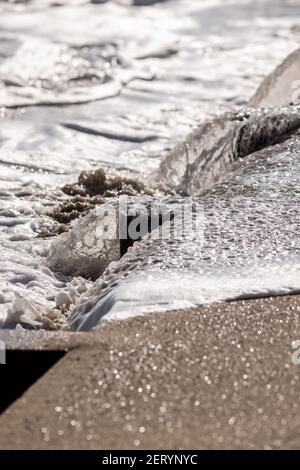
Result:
x=121 y=95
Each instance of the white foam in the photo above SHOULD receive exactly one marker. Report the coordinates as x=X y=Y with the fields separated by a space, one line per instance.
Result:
x=154 y=292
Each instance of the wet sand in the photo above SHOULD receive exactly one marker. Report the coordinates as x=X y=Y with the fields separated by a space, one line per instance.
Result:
x=219 y=376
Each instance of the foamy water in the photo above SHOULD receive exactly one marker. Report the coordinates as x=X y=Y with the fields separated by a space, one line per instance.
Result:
x=117 y=85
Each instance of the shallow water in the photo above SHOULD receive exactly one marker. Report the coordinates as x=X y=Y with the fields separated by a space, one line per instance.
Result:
x=114 y=85
x=243 y=243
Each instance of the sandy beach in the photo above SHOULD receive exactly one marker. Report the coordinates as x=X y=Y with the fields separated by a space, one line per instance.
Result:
x=215 y=377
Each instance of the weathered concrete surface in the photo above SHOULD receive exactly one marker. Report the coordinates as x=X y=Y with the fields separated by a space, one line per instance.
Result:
x=219 y=376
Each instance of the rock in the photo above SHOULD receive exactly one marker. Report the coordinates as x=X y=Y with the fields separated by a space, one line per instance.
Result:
x=282 y=86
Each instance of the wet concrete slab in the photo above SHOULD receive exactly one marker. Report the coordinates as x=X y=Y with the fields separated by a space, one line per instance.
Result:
x=220 y=376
